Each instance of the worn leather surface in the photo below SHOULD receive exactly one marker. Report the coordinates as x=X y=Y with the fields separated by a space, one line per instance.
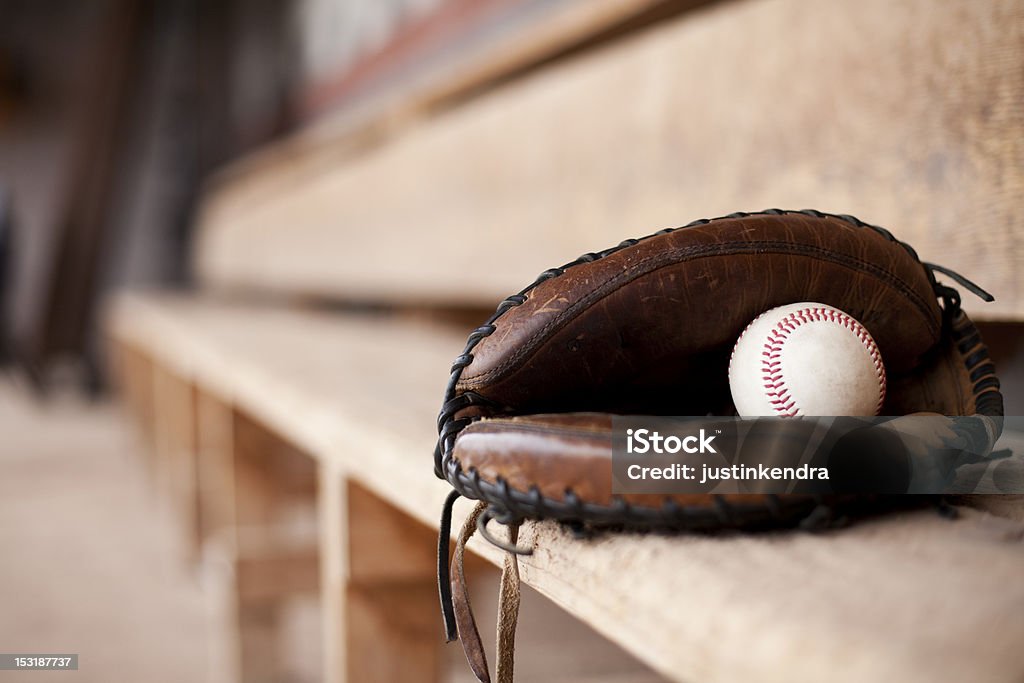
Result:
x=572 y=451
x=561 y=452
x=649 y=328
x=955 y=378
x=469 y=634
x=557 y=453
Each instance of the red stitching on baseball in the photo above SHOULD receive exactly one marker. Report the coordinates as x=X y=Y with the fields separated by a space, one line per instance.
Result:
x=771 y=368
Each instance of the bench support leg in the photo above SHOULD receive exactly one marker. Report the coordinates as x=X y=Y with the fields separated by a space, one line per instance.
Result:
x=174 y=431
x=379 y=595
x=257 y=518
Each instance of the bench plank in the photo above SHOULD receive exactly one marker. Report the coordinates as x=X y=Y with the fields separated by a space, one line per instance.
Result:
x=905 y=115
x=911 y=597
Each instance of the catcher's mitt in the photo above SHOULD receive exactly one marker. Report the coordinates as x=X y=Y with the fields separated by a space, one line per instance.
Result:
x=525 y=426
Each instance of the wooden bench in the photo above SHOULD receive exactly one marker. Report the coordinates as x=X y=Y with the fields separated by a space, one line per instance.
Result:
x=294 y=442
x=905 y=116
x=913 y=597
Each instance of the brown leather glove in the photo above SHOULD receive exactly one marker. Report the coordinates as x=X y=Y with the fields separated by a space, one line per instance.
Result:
x=647 y=327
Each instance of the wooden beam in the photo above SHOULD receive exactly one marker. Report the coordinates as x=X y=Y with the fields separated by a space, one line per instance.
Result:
x=904 y=115
x=215 y=465
x=176 y=452
x=332 y=506
x=276 y=576
x=258 y=510
x=379 y=590
x=391 y=593
x=133 y=375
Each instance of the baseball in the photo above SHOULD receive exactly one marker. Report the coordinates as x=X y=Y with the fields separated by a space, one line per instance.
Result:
x=806 y=359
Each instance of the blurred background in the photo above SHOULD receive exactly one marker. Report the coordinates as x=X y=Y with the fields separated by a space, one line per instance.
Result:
x=419 y=159
x=115 y=113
